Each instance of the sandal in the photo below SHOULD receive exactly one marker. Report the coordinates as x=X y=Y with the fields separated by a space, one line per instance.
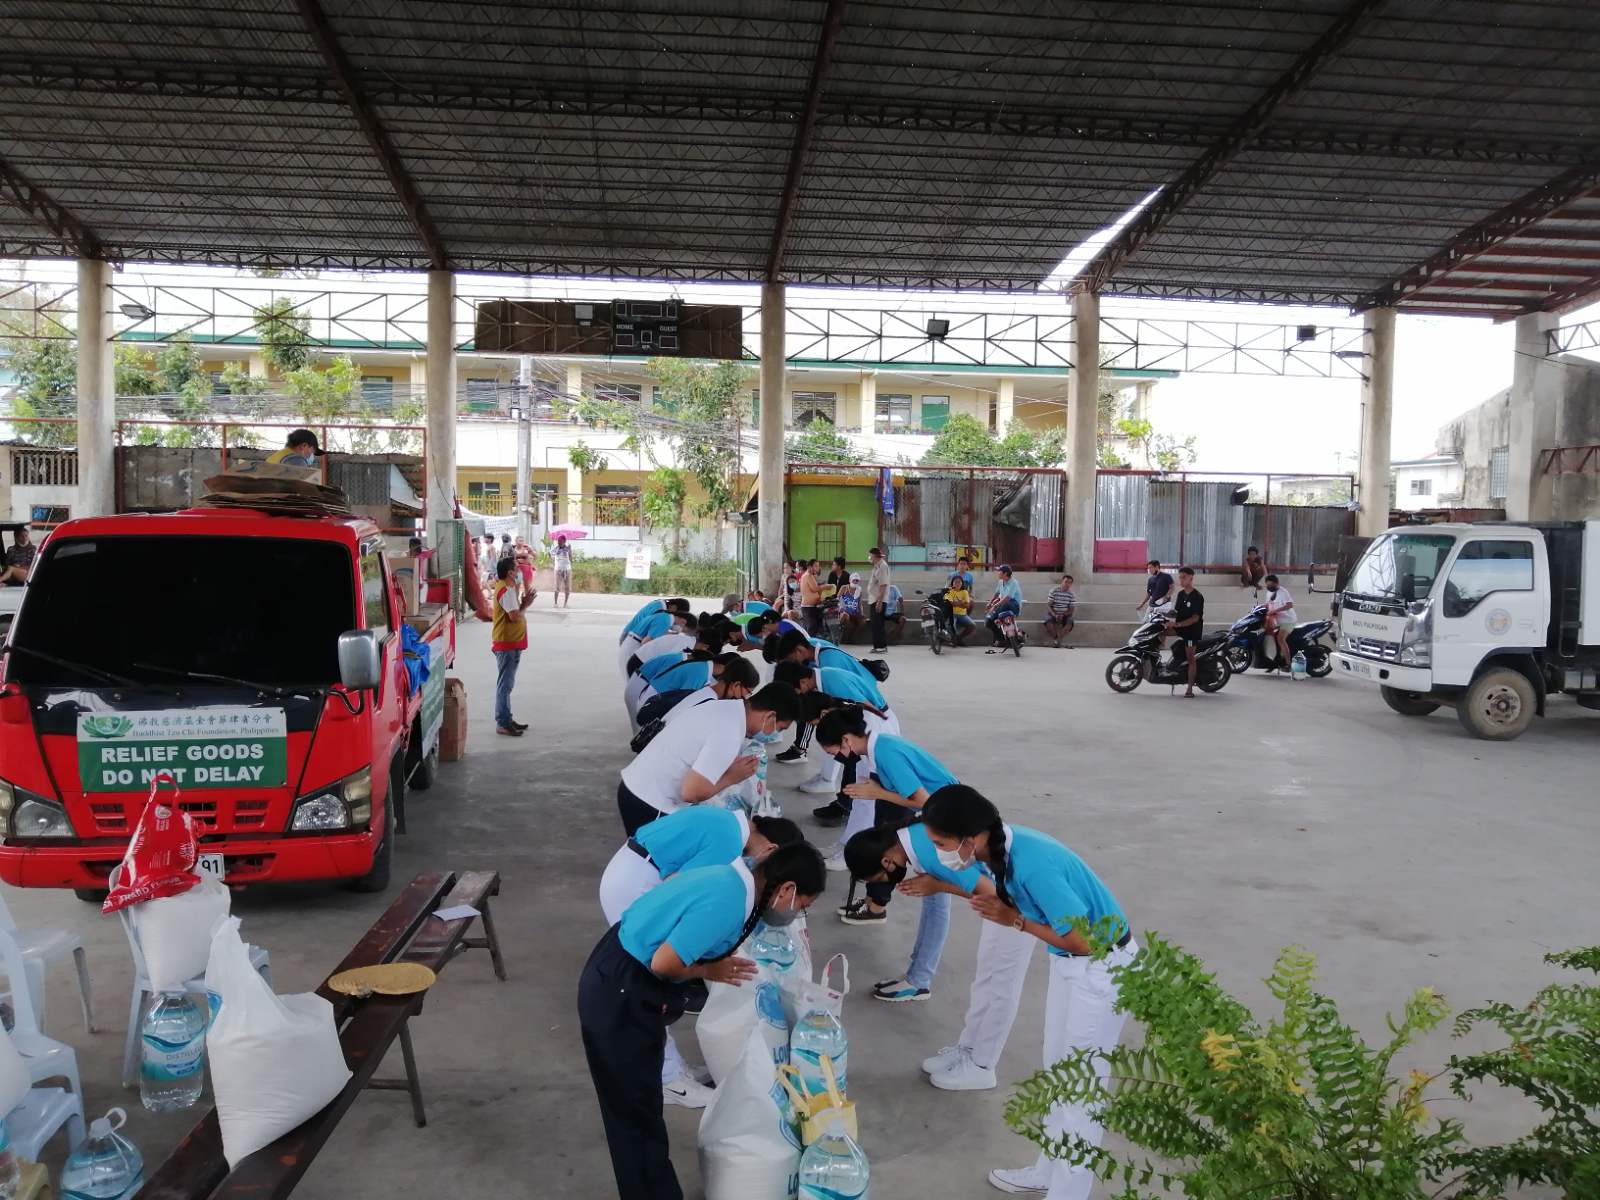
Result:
x=991 y=650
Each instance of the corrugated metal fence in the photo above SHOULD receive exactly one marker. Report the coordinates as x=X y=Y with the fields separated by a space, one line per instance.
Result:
x=1210 y=522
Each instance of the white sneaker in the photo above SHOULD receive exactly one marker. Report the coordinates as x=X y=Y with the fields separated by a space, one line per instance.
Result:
x=687 y=1091
x=835 y=860
x=819 y=785
x=964 y=1075
x=947 y=1056
x=1020 y=1180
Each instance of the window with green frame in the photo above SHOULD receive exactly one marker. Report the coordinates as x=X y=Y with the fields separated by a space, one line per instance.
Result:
x=935 y=412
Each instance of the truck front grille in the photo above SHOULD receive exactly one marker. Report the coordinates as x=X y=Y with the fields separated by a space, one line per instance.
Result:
x=1374 y=648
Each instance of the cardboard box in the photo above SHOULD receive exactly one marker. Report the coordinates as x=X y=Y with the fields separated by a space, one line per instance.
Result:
x=407 y=572
x=453 y=735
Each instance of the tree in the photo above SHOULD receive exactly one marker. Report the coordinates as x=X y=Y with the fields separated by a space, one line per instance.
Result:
x=583 y=457
x=964 y=442
x=1161 y=450
x=666 y=490
x=820 y=442
x=285 y=335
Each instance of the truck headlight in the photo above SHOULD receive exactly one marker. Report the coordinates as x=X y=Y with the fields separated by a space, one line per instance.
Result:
x=345 y=805
x=24 y=814
x=1416 y=641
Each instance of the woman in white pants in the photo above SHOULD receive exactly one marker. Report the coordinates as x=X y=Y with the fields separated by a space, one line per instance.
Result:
x=1042 y=889
x=697 y=836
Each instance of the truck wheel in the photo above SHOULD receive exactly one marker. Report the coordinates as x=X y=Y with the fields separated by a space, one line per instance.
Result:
x=427 y=770
x=1408 y=704
x=95 y=896
x=377 y=879
x=1498 y=706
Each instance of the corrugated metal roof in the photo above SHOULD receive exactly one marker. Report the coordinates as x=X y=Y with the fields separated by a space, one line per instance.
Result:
x=951 y=144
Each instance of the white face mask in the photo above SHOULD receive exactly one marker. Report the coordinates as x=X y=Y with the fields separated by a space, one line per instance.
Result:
x=952 y=860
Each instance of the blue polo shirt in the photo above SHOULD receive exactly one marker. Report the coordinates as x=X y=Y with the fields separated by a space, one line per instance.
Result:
x=677 y=674
x=848 y=685
x=699 y=913
x=636 y=622
x=903 y=766
x=758 y=606
x=699 y=835
x=654 y=625
x=925 y=855
x=1050 y=884
x=1009 y=589
x=829 y=655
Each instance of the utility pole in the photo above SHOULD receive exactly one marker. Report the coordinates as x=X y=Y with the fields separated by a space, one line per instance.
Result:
x=524 y=484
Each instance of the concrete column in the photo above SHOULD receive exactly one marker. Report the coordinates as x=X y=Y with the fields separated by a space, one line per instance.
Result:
x=1377 y=413
x=769 y=471
x=441 y=367
x=868 y=401
x=257 y=367
x=574 y=388
x=97 y=410
x=574 y=495
x=1082 y=411
x=1536 y=385
x=1005 y=405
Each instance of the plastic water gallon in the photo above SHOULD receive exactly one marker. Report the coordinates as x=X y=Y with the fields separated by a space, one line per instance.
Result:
x=106 y=1166
x=817 y=1033
x=1297 y=665
x=834 y=1168
x=172 y=1073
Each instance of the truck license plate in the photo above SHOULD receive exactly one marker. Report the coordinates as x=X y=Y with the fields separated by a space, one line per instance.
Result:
x=210 y=865
x=1362 y=669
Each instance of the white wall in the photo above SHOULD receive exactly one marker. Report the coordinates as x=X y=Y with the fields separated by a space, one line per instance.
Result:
x=1445 y=490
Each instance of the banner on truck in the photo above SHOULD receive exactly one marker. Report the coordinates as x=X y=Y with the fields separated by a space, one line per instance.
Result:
x=201 y=747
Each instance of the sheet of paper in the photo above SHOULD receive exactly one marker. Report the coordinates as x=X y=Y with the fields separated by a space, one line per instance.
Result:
x=456 y=912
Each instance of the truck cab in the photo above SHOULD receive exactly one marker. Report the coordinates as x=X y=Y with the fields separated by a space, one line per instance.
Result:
x=259 y=659
x=1490 y=618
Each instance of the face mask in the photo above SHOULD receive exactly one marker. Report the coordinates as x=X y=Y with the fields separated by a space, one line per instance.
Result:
x=750 y=861
x=764 y=738
x=777 y=918
x=952 y=859
x=1271 y=591
x=844 y=760
x=895 y=874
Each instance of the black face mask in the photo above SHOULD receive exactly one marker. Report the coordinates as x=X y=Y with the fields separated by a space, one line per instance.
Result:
x=844 y=760
x=895 y=874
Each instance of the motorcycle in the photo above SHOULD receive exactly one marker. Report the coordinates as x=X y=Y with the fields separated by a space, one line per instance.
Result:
x=1249 y=645
x=1011 y=634
x=1140 y=660
x=938 y=621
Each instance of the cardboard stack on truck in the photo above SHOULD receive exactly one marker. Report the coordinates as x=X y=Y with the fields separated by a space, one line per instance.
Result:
x=254 y=649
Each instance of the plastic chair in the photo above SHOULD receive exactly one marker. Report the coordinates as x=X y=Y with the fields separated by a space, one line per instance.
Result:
x=139 y=1002
x=40 y=947
x=42 y=1113
x=46 y=1058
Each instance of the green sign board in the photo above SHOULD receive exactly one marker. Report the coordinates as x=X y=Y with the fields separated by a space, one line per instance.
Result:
x=200 y=748
x=432 y=714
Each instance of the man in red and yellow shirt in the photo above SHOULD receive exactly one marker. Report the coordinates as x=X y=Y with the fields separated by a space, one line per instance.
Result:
x=510 y=639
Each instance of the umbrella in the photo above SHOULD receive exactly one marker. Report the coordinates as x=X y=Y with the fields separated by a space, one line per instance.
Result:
x=572 y=533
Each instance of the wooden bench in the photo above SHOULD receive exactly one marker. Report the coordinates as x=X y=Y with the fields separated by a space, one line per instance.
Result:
x=407 y=932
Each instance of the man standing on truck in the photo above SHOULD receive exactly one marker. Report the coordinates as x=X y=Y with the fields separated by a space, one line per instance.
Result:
x=300 y=449
x=510 y=639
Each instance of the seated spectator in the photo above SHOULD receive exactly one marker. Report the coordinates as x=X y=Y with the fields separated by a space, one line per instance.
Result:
x=1253 y=571
x=18 y=559
x=851 y=616
x=959 y=596
x=1059 y=610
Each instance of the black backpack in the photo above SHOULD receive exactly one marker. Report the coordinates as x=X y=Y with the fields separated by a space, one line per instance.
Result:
x=877 y=668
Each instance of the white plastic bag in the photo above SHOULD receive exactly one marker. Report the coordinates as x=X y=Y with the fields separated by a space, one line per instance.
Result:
x=793 y=981
x=732 y=1013
x=749 y=1142
x=275 y=1060
x=14 y=1082
x=175 y=933
x=801 y=995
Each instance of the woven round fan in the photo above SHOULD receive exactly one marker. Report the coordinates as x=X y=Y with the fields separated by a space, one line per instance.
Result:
x=386 y=979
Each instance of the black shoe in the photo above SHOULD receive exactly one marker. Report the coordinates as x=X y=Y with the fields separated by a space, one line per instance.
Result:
x=830 y=815
x=523 y=725
x=794 y=754
x=859 y=914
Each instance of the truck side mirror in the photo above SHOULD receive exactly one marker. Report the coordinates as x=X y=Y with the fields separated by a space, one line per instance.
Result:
x=360 y=660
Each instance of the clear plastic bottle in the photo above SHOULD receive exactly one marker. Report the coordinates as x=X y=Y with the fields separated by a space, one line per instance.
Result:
x=10 y=1172
x=106 y=1166
x=774 y=948
x=172 y=1074
x=1297 y=665
x=817 y=1033
x=834 y=1168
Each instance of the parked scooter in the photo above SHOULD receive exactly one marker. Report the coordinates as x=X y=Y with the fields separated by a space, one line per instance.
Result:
x=1141 y=660
x=1249 y=645
x=1012 y=636
x=938 y=621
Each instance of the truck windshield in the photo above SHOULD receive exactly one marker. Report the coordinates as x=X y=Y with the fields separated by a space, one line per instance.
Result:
x=1401 y=567
x=148 y=609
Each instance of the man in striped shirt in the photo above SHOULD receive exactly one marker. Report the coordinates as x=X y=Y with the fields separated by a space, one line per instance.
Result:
x=1058 y=620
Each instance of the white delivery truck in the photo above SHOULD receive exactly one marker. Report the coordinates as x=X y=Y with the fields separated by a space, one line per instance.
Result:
x=1489 y=617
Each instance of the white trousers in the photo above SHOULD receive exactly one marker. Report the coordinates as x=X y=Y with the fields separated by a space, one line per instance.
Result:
x=626 y=878
x=634 y=693
x=1002 y=967
x=1079 y=1012
x=630 y=643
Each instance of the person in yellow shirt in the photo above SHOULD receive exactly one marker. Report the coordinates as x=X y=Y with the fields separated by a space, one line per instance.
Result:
x=960 y=601
x=300 y=449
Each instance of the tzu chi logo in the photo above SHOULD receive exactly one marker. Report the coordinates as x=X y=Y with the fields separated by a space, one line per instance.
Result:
x=1498 y=622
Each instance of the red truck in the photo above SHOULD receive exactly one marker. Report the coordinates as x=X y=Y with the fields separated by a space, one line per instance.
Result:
x=257 y=657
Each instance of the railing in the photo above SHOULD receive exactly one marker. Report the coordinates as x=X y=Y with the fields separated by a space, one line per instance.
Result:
x=1569 y=460
x=32 y=467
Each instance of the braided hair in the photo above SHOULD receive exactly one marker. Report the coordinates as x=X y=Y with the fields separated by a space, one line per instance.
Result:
x=957 y=810
x=799 y=863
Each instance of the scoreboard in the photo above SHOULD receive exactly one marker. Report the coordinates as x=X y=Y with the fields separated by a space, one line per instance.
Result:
x=626 y=328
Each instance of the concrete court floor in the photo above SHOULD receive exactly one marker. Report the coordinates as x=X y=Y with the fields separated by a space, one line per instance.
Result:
x=1400 y=851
